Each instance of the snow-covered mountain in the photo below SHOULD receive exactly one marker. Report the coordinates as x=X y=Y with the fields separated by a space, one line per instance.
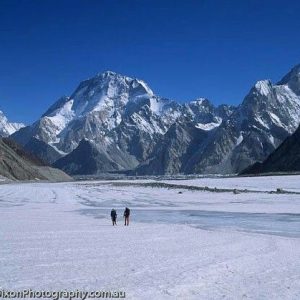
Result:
x=268 y=114
x=113 y=122
x=104 y=101
x=120 y=117
x=7 y=128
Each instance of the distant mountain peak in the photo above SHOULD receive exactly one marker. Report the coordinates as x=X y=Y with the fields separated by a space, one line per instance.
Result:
x=200 y=101
x=7 y=128
x=109 y=73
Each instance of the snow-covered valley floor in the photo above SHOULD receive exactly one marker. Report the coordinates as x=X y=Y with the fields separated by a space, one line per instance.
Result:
x=179 y=245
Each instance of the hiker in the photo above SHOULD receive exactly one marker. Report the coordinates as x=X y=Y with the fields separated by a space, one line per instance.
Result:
x=126 y=216
x=113 y=215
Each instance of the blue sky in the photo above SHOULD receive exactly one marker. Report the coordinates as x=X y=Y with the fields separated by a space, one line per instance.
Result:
x=182 y=49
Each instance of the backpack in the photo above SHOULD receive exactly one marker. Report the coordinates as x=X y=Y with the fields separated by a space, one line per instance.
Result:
x=127 y=212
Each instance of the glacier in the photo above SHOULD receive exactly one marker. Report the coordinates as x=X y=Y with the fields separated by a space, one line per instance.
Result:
x=187 y=245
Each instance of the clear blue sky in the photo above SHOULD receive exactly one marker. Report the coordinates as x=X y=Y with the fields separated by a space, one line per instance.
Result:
x=183 y=49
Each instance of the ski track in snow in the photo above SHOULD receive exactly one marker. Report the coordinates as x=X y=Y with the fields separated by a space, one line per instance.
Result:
x=194 y=245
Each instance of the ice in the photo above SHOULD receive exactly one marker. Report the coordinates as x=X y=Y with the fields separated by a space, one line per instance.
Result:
x=156 y=106
x=275 y=119
x=260 y=120
x=264 y=87
x=181 y=244
x=239 y=140
x=208 y=126
x=272 y=140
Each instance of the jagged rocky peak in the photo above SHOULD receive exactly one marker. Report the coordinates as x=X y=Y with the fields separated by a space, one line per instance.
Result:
x=268 y=106
x=110 y=94
x=261 y=89
x=202 y=111
x=110 y=85
x=101 y=101
x=116 y=95
x=258 y=97
x=292 y=79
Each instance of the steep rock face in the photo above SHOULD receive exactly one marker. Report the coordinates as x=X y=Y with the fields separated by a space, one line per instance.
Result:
x=85 y=159
x=286 y=158
x=42 y=150
x=177 y=145
x=7 y=128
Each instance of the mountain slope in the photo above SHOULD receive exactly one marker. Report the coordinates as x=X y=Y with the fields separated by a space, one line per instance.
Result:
x=85 y=160
x=286 y=158
x=16 y=164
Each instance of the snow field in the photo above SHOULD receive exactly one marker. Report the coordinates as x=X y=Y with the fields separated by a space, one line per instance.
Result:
x=59 y=236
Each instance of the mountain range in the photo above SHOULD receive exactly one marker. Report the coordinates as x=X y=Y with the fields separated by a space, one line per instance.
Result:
x=114 y=123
